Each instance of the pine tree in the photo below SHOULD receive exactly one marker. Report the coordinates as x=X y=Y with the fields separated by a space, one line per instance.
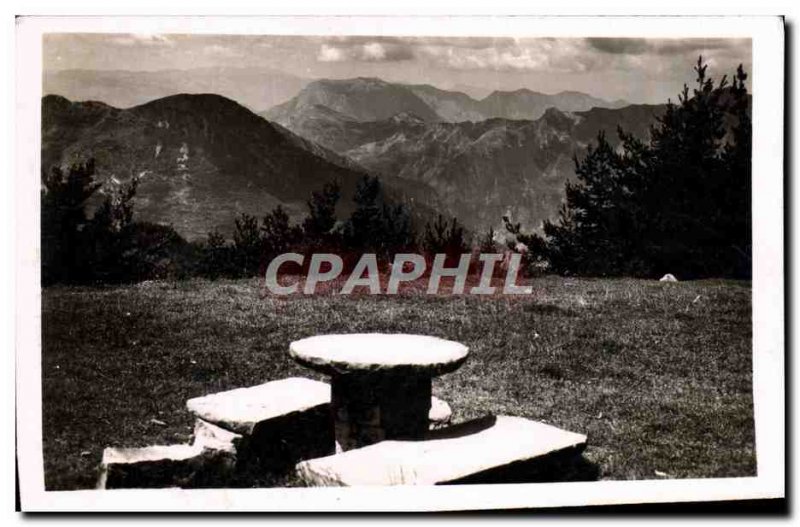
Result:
x=247 y=245
x=398 y=230
x=63 y=200
x=445 y=237
x=278 y=234
x=535 y=247
x=487 y=244
x=376 y=225
x=318 y=227
x=110 y=237
x=736 y=219
x=216 y=256
x=677 y=204
x=364 y=229
x=598 y=223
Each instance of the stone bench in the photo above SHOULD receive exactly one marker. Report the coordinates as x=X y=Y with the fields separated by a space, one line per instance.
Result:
x=207 y=462
x=283 y=421
x=272 y=425
x=470 y=452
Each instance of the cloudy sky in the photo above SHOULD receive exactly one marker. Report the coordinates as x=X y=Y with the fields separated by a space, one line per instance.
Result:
x=638 y=70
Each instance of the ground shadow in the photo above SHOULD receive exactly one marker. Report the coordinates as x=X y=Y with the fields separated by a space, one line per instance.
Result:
x=562 y=466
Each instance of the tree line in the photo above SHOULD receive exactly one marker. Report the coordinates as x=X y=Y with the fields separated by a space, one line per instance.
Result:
x=109 y=246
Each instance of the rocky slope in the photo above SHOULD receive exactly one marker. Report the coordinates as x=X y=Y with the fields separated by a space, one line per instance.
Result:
x=509 y=153
x=451 y=106
x=200 y=159
x=482 y=170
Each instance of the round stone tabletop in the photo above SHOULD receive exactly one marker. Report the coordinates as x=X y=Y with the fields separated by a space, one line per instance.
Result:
x=379 y=353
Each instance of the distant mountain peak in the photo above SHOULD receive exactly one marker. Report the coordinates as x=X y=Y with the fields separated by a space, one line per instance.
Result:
x=52 y=104
x=55 y=99
x=558 y=119
x=215 y=110
x=513 y=93
x=360 y=98
x=255 y=88
x=573 y=92
x=365 y=99
x=355 y=82
x=371 y=80
x=194 y=99
x=434 y=89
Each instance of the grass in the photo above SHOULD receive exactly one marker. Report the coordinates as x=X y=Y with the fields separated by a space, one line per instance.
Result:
x=658 y=375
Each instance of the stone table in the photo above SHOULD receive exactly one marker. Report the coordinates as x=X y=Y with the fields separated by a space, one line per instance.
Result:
x=381 y=383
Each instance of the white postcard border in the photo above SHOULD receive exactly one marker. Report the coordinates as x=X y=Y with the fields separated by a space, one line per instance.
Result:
x=768 y=284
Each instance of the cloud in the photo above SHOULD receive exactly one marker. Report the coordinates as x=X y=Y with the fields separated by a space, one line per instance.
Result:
x=331 y=54
x=220 y=51
x=143 y=39
x=582 y=55
x=464 y=53
x=509 y=58
x=673 y=46
x=523 y=55
x=633 y=46
x=360 y=50
x=696 y=45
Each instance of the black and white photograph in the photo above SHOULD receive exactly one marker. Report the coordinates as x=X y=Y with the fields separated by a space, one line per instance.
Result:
x=494 y=255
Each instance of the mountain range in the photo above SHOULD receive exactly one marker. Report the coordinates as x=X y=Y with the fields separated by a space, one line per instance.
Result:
x=480 y=170
x=255 y=88
x=481 y=166
x=368 y=99
x=200 y=159
x=203 y=158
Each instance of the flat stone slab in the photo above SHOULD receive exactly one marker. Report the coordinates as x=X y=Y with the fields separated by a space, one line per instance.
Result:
x=378 y=353
x=449 y=455
x=159 y=466
x=240 y=410
x=213 y=437
x=208 y=461
x=114 y=456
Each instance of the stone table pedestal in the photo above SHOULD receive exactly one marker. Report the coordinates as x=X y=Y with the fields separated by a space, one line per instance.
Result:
x=381 y=383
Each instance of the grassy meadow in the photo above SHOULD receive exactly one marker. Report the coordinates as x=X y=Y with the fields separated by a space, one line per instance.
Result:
x=658 y=375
